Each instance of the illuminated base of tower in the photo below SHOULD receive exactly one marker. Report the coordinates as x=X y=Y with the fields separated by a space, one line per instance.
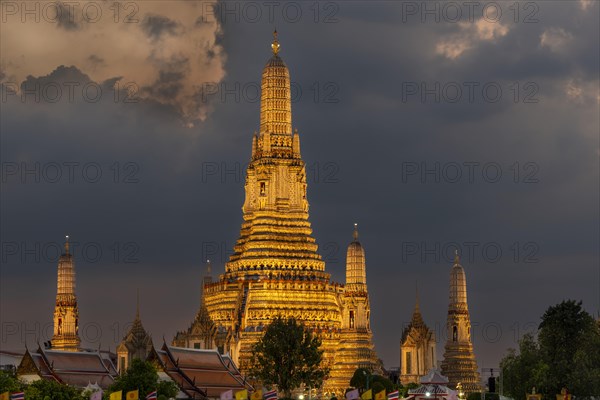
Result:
x=354 y=350
x=459 y=365
x=242 y=309
x=66 y=343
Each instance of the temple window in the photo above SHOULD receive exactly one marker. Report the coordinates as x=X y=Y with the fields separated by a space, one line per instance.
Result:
x=351 y=319
x=454 y=333
x=408 y=362
x=263 y=188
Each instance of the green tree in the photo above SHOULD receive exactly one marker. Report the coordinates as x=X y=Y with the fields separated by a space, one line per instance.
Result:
x=142 y=375
x=521 y=372
x=380 y=382
x=288 y=355
x=567 y=334
x=51 y=390
x=566 y=354
x=9 y=382
x=403 y=390
x=361 y=379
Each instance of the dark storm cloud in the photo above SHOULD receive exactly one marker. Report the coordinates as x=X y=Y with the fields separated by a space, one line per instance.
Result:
x=66 y=17
x=186 y=205
x=60 y=75
x=96 y=60
x=168 y=84
x=157 y=25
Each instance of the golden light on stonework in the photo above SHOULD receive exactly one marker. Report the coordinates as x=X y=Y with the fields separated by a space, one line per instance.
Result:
x=275 y=269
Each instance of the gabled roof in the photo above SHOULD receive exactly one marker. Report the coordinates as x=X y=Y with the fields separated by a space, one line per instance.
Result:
x=433 y=383
x=76 y=368
x=201 y=373
x=434 y=377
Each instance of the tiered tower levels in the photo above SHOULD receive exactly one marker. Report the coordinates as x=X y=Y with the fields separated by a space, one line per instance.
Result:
x=66 y=312
x=275 y=269
x=459 y=364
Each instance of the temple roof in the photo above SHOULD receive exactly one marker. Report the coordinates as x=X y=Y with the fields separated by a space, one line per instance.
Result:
x=200 y=373
x=76 y=368
x=433 y=383
x=137 y=337
x=416 y=324
x=434 y=377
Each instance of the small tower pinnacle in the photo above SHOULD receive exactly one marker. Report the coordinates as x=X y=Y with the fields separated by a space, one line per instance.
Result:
x=137 y=307
x=456 y=257
x=275 y=45
x=416 y=296
x=67 y=244
x=355 y=234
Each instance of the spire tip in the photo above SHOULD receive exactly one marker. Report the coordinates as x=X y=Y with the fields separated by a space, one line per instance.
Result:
x=275 y=45
x=137 y=308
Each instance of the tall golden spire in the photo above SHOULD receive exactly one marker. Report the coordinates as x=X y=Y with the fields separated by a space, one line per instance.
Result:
x=66 y=312
x=275 y=269
x=459 y=363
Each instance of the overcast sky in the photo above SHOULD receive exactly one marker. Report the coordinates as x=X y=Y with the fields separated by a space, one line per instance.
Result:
x=129 y=127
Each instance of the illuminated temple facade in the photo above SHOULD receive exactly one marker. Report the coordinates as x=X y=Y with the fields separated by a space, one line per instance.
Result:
x=417 y=349
x=275 y=269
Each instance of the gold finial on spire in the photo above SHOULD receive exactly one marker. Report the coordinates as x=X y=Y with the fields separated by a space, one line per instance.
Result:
x=355 y=234
x=275 y=45
x=456 y=257
x=67 y=244
x=208 y=269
